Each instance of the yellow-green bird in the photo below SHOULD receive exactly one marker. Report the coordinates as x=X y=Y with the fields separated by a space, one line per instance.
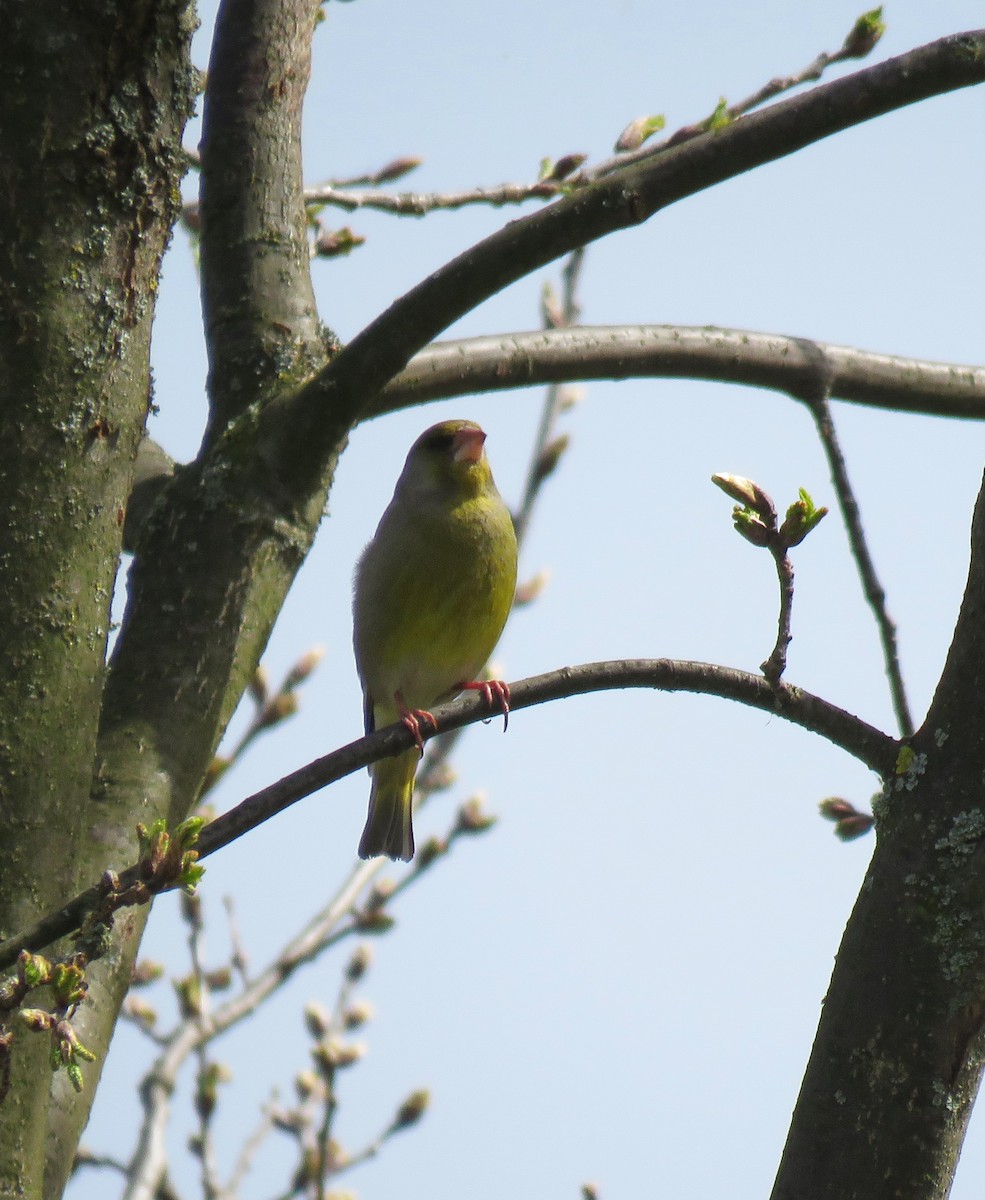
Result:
x=433 y=590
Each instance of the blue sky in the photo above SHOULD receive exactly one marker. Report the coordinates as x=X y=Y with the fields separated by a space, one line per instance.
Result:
x=621 y=981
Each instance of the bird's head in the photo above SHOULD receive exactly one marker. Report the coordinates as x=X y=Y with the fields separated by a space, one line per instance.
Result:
x=447 y=459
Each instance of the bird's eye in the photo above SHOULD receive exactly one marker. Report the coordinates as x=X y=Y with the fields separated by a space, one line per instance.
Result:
x=440 y=442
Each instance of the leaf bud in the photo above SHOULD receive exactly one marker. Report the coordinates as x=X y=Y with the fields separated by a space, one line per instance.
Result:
x=566 y=165
x=471 y=818
x=528 y=592
x=834 y=808
x=259 y=685
x=359 y=964
x=637 y=132
x=303 y=668
x=397 y=169
x=865 y=33
x=277 y=709
x=317 y=1019
x=334 y=1054
x=412 y=1109
x=337 y=243
x=357 y=1014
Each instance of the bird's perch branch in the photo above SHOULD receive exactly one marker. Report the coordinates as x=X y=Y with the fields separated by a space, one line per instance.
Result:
x=866 y=743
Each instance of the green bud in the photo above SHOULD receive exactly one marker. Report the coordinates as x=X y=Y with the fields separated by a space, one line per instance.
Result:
x=68 y=981
x=721 y=117
x=33 y=969
x=637 y=132
x=338 y=243
x=35 y=1019
x=565 y=166
x=751 y=527
x=866 y=32
x=802 y=516
x=189 y=994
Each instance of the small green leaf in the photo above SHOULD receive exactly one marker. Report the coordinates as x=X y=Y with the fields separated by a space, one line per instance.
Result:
x=721 y=117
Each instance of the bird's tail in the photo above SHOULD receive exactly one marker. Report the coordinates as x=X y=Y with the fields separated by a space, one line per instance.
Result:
x=388 y=827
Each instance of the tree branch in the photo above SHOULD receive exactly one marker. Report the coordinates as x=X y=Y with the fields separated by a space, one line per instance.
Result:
x=900 y=1046
x=257 y=297
x=875 y=749
x=215 y=564
x=792 y=365
x=873 y=590
x=619 y=201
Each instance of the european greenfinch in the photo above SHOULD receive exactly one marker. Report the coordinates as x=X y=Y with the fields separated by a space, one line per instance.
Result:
x=433 y=590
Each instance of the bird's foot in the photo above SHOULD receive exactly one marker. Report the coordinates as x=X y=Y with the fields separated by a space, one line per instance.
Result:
x=495 y=692
x=412 y=718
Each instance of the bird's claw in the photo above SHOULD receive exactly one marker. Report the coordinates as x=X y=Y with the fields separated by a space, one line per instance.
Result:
x=412 y=718
x=496 y=693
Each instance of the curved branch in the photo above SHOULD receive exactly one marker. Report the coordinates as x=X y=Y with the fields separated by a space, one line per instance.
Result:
x=787 y=364
x=871 y=746
x=626 y=198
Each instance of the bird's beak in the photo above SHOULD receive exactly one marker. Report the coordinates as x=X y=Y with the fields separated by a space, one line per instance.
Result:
x=467 y=446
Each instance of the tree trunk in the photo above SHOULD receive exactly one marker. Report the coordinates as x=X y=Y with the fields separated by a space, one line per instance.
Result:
x=91 y=114
x=900 y=1049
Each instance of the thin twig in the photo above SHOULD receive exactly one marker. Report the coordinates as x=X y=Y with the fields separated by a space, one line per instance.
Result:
x=203 y=1087
x=239 y=959
x=776 y=664
x=554 y=401
x=419 y=204
x=875 y=594
x=727 y=114
x=250 y=1147
x=362 y=191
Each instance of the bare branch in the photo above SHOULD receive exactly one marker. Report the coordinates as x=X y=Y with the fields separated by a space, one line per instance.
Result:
x=419 y=204
x=796 y=366
x=859 y=42
x=874 y=593
x=866 y=743
x=542 y=461
x=624 y=199
x=257 y=298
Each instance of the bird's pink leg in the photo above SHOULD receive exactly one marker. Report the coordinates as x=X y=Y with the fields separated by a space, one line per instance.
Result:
x=412 y=718
x=495 y=692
